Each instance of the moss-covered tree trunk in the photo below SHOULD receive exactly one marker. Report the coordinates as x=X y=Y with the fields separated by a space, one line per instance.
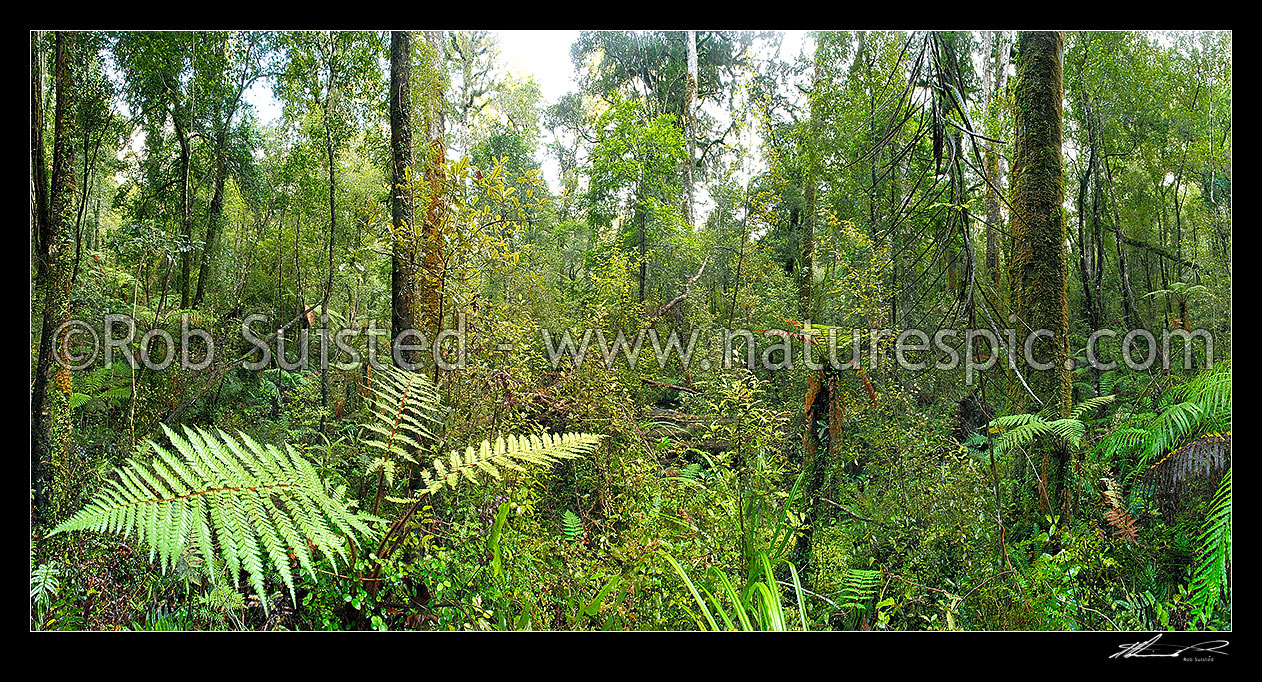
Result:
x=50 y=407
x=1038 y=267
x=39 y=171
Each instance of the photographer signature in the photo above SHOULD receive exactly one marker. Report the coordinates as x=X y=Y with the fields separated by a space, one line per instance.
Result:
x=1151 y=649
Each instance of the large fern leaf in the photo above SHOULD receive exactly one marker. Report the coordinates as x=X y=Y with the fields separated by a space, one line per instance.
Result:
x=510 y=452
x=405 y=406
x=1209 y=577
x=223 y=495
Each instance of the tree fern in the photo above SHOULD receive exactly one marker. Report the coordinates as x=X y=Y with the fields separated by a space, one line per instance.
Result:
x=1210 y=575
x=255 y=504
x=1187 y=436
x=1021 y=430
x=102 y=386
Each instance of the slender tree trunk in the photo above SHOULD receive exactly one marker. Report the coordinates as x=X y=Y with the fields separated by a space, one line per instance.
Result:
x=50 y=406
x=1039 y=270
x=807 y=275
x=186 y=207
x=39 y=171
x=690 y=98
x=644 y=263
x=215 y=216
x=1130 y=315
x=90 y=154
x=328 y=284
x=403 y=257
x=994 y=78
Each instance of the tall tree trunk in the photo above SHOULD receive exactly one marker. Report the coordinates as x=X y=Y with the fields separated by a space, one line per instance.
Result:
x=807 y=276
x=644 y=262
x=50 y=405
x=215 y=216
x=993 y=87
x=186 y=206
x=403 y=256
x=1130 y=315
x=39 y=171
x=1039 y=272
x=435 y=176
x=328 y=283
x=690 y=98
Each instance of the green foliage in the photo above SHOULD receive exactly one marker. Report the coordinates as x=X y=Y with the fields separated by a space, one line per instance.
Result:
x=571 y=526
x=756 y=606
x=102 y=386
x=858 y=587
x=844 y=178
x=45 y=585
x=254 y=504
x=404 y=408
x=1213 y=565
x=504 y=452
x=1022 y=430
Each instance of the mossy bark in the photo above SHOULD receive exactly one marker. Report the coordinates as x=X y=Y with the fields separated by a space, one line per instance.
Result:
x=50 y=396
x=1038 y=266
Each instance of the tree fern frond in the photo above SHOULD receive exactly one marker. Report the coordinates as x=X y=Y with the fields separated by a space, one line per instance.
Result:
x=504 y=453
x=1090 y=405
x=1210 y=576
x=219 y=494
x=1168 y=429
x=1023 y=434
x=405 y=406
x=857 y=587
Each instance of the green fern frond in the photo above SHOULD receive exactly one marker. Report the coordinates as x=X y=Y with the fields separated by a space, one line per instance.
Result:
x=1011 y=421
x=45 y=584
x=1025 y=434
x=405 y=406
x=254 y=504
x=1169 y=429
x=491 y=457
x=1209 y=577
x=571 y=526
x=1070 y=431
x=857 y=587
x=103 y=385
x=1090 y=405
x=1021 y=430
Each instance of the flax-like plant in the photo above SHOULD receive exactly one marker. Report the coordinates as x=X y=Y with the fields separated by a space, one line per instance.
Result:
x=757 y=606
